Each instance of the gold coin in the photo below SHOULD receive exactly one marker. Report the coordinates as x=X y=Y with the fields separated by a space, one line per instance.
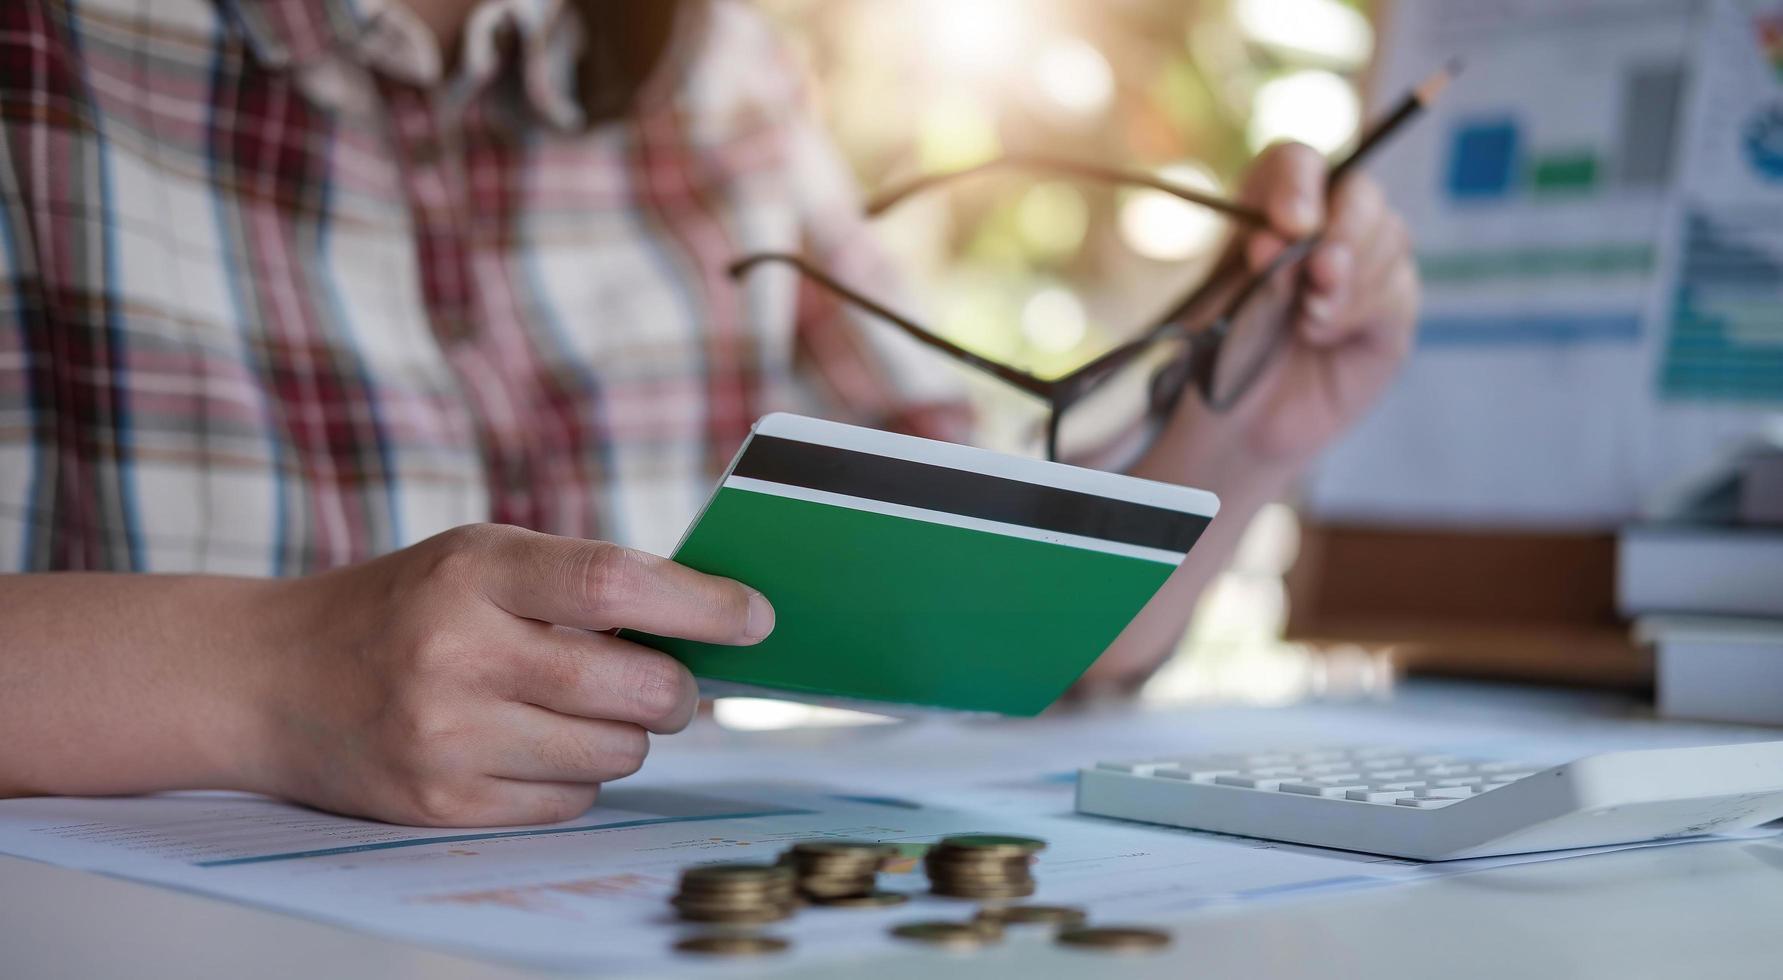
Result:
x=834 y=866
x=737 y=916
x=736 y=894
x=712 y=902
x=975 y=859
x=983 y=892
x=1020 y=915
x=1020 y=872
x=959 y=935
x=871 y=900
x=979 y=874
x=994 y=844
x=991 y=929
x=732 y=945
x=735 y=888
x=853 y=849
x=835 y=887
x=1115 y=938
x=736 y=872
x=703 y=902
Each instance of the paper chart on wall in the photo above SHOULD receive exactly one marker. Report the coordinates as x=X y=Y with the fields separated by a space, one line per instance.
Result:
x=1541 y=191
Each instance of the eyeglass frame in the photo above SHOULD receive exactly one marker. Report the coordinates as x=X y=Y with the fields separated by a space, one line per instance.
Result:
x=1196 y=364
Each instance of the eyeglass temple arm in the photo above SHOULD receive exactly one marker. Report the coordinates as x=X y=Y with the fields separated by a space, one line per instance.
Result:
x=885 y=200
x=1003 y=372
x=1171 y=321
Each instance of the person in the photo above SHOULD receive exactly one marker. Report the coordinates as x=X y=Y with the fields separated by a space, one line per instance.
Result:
x=367 y=326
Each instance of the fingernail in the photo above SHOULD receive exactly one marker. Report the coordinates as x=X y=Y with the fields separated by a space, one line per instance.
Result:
x=1338 y=260
x=1305 y=213
x=761 y=617
x=1318 y=308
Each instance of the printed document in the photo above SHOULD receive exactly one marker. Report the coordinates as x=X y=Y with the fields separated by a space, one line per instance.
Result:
x=591 y=893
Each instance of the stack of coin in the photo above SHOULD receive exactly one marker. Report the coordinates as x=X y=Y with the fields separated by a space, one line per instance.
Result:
x=738 y=894
x=834 y=870
x=983 y=866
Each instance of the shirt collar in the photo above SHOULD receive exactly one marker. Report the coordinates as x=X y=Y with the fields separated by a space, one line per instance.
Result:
x=306 y=36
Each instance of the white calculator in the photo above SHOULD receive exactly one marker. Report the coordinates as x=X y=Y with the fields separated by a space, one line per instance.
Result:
x=1437 y=807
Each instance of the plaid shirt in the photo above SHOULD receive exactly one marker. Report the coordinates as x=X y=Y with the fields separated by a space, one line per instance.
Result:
x=277 y=295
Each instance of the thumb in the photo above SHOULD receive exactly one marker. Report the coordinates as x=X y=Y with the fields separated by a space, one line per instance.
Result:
x=1287 y=183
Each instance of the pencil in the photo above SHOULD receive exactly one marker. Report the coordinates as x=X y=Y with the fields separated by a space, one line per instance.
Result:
x=1421 y=95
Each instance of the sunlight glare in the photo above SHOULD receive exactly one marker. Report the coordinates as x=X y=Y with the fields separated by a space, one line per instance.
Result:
x=1316 y=107
x=1053 y=320
x=1075 y=76
x=1169 y=229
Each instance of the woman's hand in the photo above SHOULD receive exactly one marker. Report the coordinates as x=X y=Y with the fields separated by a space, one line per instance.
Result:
x=1352 y=330
x=470 y=679
x=1354 y=323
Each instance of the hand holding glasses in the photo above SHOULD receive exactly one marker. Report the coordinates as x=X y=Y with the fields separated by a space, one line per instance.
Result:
x=1221 y=337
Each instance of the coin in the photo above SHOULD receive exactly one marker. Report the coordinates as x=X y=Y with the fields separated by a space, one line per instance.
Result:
x=982 y=866
x=831 y=869
x=736 y=893
x=842 y=848
x=989 y=928
x=738 y=916
x=999 y=844
x=958 y=935
x=1115 y=938
x=831 y=886
x=1053 y=915
x=736 y=873
x=980 y=869
x=871 y=900
x=703 y=902
x=982 y=892
x=732 y=945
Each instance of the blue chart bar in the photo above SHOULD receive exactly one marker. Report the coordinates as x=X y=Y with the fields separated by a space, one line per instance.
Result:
x=1483 y=155
x=1726 y=339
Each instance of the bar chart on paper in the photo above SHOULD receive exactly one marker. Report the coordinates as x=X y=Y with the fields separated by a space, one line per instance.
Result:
x=1726 y=339
x=1724 y=331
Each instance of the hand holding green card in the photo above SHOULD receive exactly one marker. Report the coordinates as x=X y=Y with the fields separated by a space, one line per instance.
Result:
x=915 y=572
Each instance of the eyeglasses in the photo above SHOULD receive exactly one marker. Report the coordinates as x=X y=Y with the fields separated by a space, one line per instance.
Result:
x=1220 y=337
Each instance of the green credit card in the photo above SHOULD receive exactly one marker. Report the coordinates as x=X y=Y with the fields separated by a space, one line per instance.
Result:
x=914 y=572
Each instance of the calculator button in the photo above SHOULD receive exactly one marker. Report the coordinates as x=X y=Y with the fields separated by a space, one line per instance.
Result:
x=1146 y=768
x=1248 y=782
x=1318 y=789
x=1443 y=792
x=1377 y=795
x=1196 y=775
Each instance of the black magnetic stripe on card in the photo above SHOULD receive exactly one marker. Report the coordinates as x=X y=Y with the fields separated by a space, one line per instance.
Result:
x=991 y=498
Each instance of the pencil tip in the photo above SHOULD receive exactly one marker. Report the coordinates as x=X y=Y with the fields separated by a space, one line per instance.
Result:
x=1431 y=87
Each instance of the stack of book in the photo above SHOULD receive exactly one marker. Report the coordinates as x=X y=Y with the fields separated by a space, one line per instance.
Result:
x=1706 y=593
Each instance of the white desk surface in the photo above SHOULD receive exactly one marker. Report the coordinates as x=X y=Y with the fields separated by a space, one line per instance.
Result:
x=1705 y=910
